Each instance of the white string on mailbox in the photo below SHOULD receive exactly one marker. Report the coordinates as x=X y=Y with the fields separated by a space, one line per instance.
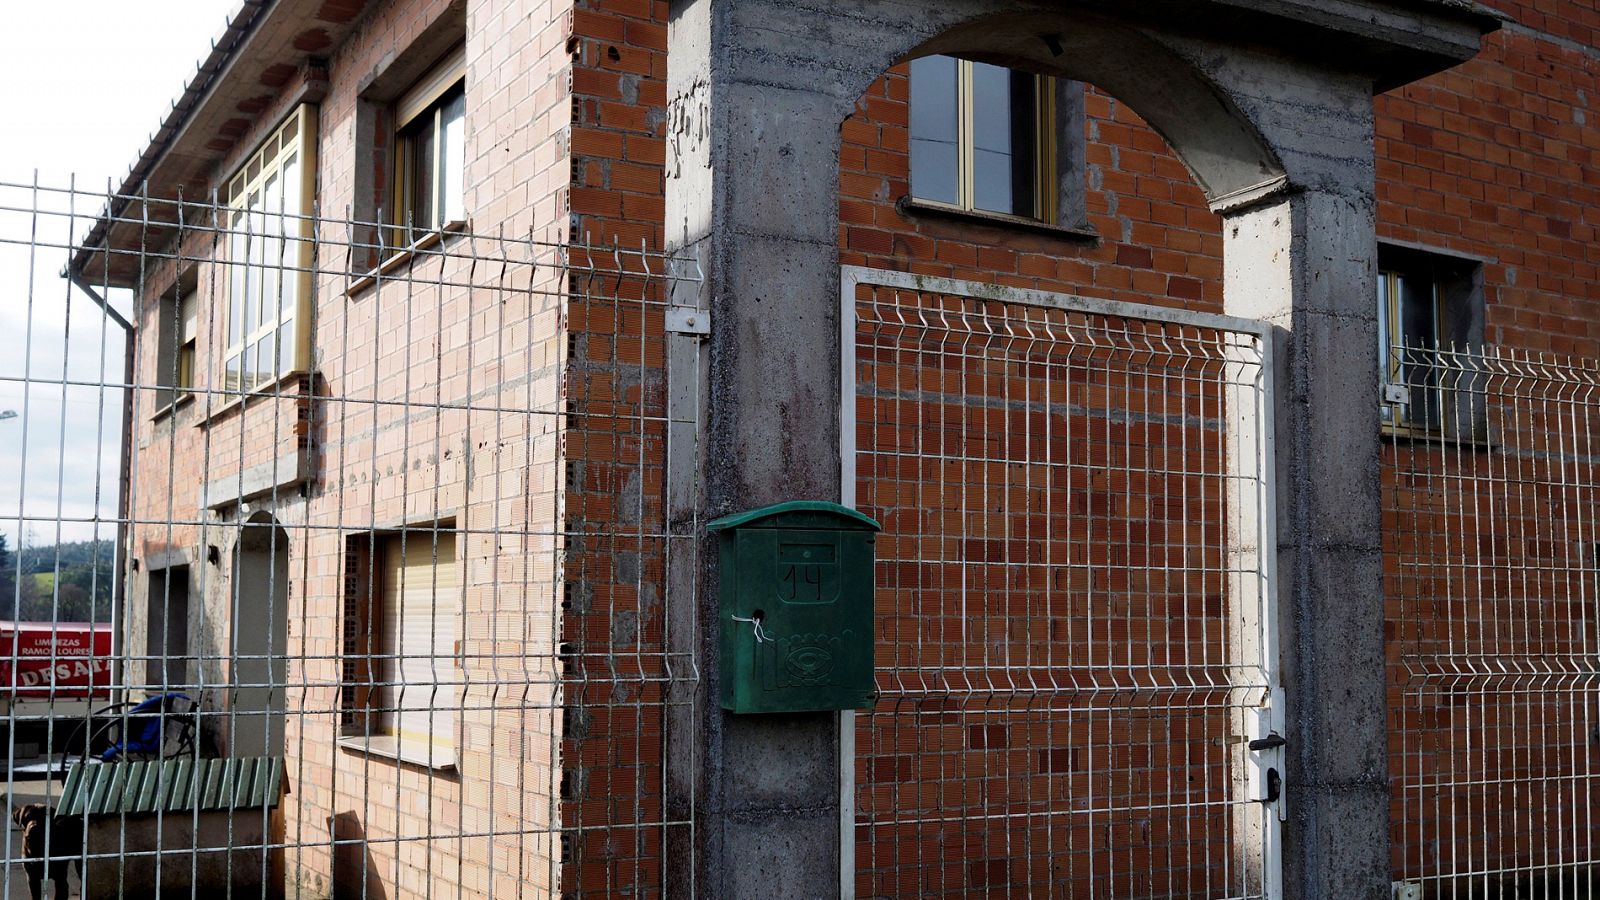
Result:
x=755 y=622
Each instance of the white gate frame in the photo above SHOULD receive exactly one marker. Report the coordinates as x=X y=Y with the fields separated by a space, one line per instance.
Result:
x=1269 y=720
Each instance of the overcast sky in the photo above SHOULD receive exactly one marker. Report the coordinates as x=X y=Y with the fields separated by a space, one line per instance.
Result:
x=88 y=81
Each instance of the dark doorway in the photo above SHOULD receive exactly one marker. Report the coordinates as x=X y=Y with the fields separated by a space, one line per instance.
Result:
x=167 y=629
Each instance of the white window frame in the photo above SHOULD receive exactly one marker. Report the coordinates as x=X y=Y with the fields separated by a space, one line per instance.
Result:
x=257 y=231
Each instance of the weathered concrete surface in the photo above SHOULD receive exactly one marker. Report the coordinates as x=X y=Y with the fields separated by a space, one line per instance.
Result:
x=1269 y=104
x=1303 y=265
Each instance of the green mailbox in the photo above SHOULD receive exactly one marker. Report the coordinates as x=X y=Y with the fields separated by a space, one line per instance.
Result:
x=796 y=608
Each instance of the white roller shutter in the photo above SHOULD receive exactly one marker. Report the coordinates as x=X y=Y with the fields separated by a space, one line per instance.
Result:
x=421 y=612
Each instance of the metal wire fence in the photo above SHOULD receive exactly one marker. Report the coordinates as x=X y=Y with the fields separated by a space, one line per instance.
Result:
x=1490 y=577
x=377 y=537
x=1071 y=596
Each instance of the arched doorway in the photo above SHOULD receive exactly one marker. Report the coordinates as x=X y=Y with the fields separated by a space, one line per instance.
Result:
x=258 y=646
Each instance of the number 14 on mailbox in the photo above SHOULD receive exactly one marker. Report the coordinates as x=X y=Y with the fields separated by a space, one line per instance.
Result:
x=796 y=608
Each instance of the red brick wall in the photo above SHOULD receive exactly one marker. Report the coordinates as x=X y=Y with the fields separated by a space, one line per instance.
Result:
x=1495 y=159
x=1158 y=243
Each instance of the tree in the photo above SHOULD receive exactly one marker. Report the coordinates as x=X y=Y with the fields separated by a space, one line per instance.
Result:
x=8 y=579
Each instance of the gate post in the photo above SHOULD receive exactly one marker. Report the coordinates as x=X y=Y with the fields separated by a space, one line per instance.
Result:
x=1306 y=264
x=752 y=193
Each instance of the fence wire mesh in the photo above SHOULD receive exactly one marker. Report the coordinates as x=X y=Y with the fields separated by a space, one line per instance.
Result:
x=1490 y=575
x=1069 y=599
x=375 y=537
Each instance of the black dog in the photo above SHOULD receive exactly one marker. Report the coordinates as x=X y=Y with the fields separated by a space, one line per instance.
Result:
x=66 y=842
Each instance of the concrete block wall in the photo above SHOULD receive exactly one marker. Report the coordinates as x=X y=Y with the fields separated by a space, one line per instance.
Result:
x=431 y=335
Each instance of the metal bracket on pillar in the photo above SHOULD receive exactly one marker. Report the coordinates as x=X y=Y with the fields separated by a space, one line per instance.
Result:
x=688 y=320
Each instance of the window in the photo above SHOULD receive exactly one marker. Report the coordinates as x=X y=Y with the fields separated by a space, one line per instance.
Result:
x=983 y=138
x=401 y=673
x=177 y=330
x=269 y=251
x=1430 y=329
x=430 y=152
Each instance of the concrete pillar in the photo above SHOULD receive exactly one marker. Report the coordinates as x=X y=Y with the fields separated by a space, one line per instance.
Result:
x=752 y=192
x=1306 y=263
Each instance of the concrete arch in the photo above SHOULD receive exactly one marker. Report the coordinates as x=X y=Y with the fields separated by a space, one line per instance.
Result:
x=1214 y=138
x=1269 y=104
x=1171 y=76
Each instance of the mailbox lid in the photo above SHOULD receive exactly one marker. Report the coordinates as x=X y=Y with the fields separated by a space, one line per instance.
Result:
x=798 y=514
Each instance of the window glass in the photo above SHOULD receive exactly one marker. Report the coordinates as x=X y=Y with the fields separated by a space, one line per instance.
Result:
x=1418 y=316
x=453 y=158
x=935 y=133
x=422 y=141
x=991 y=139
x=176 y=329
x=1430 y=320
x=976 y=139
x=269 y=253
x=431 y=151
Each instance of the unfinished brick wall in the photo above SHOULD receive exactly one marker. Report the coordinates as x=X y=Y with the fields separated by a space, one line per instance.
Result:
x=1157 y=242
x=436 y=399
x=566 y=112
x=613 y=800
x=1489 y=573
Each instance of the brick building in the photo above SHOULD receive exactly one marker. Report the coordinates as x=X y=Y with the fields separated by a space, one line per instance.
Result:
x=413 y=476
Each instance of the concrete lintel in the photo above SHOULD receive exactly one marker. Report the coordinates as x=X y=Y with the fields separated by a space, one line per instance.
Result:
x=280 y=474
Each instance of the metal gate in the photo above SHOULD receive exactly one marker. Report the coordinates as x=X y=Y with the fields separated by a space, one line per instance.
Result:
x=1074 y=612
x=1490 y=559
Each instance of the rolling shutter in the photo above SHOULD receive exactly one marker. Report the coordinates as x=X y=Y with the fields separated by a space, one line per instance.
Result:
x=421 y=612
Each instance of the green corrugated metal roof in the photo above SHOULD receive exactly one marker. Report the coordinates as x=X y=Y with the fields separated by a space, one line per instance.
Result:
x=172 y=785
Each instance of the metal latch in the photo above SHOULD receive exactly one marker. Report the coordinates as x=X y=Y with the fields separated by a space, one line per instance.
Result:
x=1264 y=761
x=688 y=320
x=1397 y=394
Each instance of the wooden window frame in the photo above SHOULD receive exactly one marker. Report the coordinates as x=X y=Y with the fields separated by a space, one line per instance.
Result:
x=292 y=140
x=425 y=98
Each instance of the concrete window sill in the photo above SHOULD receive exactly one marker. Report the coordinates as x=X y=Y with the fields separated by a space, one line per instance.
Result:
x=270 y=390
x=914 y=208
x=1395 y=434
x=169 y=409
x=387 y=746
x=403 y=257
